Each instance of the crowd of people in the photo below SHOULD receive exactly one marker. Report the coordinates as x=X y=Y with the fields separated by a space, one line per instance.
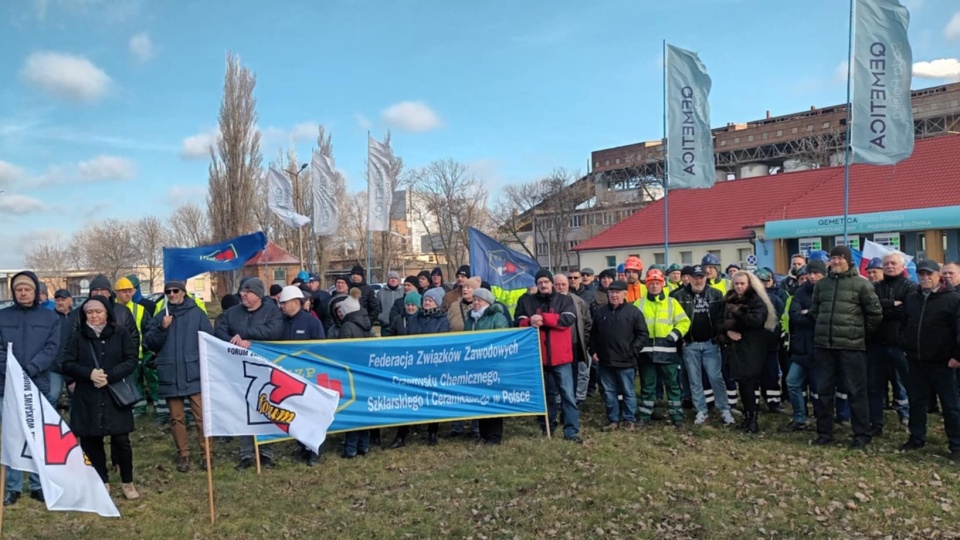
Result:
x=734 y=341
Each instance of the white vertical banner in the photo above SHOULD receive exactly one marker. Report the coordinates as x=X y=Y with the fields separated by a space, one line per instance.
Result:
x=690 y=161
x=379 y=184
x=326 y=216
x=881 y=119
x=280 y=199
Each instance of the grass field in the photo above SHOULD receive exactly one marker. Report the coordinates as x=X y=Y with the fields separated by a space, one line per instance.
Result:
x=661 y=482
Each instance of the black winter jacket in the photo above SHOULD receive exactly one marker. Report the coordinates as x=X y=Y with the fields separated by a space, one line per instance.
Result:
x=889 y=292
x=263 y=324
x=93 y=413
x=178 y=348
x=435 y=322
x=801 y=326
x=747 y=316
x=35 y=334
x=368 y=299
x=355 y=325
x=618 y=335
x=302 y=326
x=931 y=332
x=714 y=298
x=846 y=309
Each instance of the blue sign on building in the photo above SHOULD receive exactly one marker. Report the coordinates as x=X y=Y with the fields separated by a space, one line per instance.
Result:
x=944 y=217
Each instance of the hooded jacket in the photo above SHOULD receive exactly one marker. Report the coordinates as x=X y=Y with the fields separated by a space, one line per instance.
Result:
x=177 y=348
x=559 y=315
x=262 y=324
x=846 y=309
x=931 y=332
x=93 y=412
x=35 y=335
x=122 y=315
x=355 y=325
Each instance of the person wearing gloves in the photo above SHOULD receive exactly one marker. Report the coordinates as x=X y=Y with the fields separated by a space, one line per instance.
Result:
x=173 y=336
x=99 y=353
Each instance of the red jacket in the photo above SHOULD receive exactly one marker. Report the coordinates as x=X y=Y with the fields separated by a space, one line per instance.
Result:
x=559 y=315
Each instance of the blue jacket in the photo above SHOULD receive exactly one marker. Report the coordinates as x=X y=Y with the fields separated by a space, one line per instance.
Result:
x=302 y=326
x=35 y=335
x=177 y=348
x=428 y=323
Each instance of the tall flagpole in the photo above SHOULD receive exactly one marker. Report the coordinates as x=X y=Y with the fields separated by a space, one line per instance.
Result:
x=369 y=186
x=847 y=141
x=666 y=189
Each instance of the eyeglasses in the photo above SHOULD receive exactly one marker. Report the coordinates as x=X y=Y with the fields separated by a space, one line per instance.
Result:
x=172 y=291
x=575 y=278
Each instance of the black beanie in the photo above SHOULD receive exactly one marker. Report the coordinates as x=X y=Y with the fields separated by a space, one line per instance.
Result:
x=275 y=289
x=543 y=273
x=842 y=251
x=608 y=273
x=463 y=270
x=357 y=269
x=413 y=280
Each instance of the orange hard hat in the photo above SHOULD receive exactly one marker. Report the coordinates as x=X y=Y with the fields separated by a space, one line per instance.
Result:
x=633 y=263
x=655 y=275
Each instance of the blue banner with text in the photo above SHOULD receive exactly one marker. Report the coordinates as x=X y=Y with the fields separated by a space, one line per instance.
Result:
x=417 y=379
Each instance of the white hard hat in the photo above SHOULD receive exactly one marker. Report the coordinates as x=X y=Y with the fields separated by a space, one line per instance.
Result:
x=290 y=292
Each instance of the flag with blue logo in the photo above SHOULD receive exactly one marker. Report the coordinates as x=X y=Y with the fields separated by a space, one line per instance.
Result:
x=184 y=263
x=509 y=272
x=881 y=120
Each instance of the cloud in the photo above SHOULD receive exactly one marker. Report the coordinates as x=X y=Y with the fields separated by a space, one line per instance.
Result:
x=20 y=204
x=944 y=68
x=107 y=168
x=178 y=195
x=362 y=121
x=141 y=47
x=414 y=116
x=66 y=76
x=10 y=174
x=272 y=136
x=198 y=146
x=952 y=31
x=99 y=169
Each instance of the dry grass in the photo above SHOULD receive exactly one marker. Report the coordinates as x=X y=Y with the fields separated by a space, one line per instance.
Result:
x=707 y=482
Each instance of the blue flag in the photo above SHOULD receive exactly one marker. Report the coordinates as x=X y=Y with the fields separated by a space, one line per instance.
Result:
x=509 y=272
x=184 y=263
x=690 y=161
x=881 y=121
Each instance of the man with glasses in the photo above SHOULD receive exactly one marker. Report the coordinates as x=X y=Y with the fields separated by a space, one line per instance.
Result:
x=253 y=319
x=553 y=315
x=172 y=334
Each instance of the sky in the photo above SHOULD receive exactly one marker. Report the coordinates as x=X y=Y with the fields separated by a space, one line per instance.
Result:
x=108 y=107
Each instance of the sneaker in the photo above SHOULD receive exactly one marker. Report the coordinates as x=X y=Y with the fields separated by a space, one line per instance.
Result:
x=612 y=426
x=37 y=495
x=183 y=464
x=822 y=440
x=727 y=417
x=702 y=418
x=130 y=492
x=11 y=498
x=912 y=444
x=347 y=456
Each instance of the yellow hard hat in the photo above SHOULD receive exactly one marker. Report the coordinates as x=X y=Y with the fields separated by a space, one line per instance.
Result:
x=123 y=284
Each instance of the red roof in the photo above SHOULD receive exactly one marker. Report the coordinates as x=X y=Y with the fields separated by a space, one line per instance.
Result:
x=273 y=254
x=725 y=211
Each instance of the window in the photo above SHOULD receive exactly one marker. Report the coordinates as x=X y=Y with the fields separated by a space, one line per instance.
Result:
x=750 y=138
x=765 y=136
x=810 y=244
x=854 y=241
x=888 y=239
x=743 y=253
x=571 y=244
x=715 y=252
x=736 y=140
x=658 y=258
x=280 y=275
x=607 y=218
x=611 y=260
x=541 y=248
x=794 y=131
x=199 y=284
x=686 y=257
x=637 y=255
x=779 y=133
x=723 y=142
x=826 y=125
x=576 y=221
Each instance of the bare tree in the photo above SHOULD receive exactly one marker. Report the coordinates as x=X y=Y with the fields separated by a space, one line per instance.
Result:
x=149 y=236
x=189 y=226
x=49 y=259
x=109 y=247
x=235 y=166
x=561 y=194
x=447 y=202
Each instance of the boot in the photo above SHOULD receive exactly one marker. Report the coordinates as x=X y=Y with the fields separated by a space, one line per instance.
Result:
x=752 y=426
x=745 y=422
x=129 y=491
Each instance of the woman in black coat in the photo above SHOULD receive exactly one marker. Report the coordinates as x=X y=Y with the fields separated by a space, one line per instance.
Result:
x=748 y=319
x=93 y=412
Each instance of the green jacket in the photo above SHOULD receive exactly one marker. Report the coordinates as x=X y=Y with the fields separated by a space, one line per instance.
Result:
x=846 y=310
x=492 y=319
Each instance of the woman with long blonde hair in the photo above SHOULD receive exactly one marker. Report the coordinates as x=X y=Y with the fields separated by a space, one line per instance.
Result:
x=748 y=318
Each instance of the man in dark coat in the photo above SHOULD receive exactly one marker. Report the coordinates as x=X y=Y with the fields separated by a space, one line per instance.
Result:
x=619 y=334
x=253 y=319
x=34 y=333
x=173 y=336
x=846 y=310
x=368 y=298
x=931 y=341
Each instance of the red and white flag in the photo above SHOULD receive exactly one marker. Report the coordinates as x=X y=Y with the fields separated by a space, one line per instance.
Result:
x=245 y=394
x=36 y=439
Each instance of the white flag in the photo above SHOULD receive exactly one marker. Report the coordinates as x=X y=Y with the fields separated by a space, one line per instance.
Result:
x=245 y=394
x=379 y=184
x=280 y=200
x=326 y=216
x=36 y=439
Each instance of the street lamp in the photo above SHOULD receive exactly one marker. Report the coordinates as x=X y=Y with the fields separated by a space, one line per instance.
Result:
x=296 y=206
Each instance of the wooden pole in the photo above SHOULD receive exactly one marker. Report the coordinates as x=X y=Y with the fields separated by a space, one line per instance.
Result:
x=256 y=453
x=3 y=482
x=209 y=478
